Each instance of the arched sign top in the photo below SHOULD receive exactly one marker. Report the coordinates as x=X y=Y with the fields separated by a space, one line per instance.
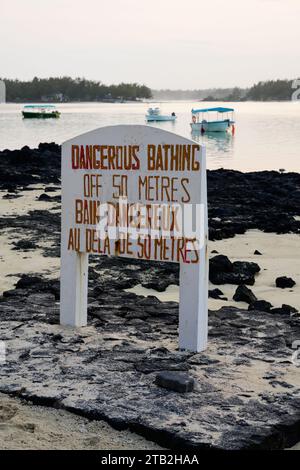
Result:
x=132 y=130
x=140 y=192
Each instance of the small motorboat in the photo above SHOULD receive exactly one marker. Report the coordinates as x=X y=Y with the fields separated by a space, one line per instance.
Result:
x=40 y=111
x=217 y=124
x=154 y=114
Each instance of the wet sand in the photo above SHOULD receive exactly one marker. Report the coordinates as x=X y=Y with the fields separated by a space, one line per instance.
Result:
x=279 y=258
x=15 y=262
x=24 y=426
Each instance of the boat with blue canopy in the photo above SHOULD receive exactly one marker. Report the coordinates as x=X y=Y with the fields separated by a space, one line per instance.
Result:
x=40 y=111
x=221 y=121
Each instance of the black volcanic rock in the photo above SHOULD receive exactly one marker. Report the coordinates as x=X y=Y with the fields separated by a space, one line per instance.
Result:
x=223 y=271
x=261 y=305
x=20 y=168
x=116 y=362
x=11 y=196
x=244 y=294
x=50 y=146
x=215 y=293
x=220 y=263
x=45 y=197
x=245 y=267
x=233 y=278
x=284 y=282
x=175 y=381
x=266 y=200
x=27 y=281
x=24 y=245
x=284 y=310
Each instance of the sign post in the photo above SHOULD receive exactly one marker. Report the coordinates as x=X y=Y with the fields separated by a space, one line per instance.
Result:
x=138 y=192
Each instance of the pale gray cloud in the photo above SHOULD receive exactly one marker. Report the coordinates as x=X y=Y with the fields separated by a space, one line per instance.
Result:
x=163 y=43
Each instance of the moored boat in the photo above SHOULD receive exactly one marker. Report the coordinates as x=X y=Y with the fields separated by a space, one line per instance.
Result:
x=215 y=125
x=154 y=114
x=40 y=111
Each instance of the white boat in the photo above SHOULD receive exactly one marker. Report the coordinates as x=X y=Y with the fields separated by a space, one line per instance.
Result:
x=154 y=114
x=199 y=124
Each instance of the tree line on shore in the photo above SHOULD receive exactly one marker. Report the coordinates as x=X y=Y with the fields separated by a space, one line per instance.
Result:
x=67 y=89
x=271 y=90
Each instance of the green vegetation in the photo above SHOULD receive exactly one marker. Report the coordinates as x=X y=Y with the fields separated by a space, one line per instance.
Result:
x=68 y=89
x=79 y=89
x=272 y=90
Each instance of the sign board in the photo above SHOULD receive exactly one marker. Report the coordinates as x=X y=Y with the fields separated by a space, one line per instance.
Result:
x=138 y=192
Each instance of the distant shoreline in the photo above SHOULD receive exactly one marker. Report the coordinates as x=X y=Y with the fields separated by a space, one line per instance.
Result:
x=71 y=101
x=149 y=101
x=67 y=89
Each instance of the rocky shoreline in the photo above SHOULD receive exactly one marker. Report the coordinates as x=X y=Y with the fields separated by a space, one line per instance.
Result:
x=247 y=391
x=265 y=200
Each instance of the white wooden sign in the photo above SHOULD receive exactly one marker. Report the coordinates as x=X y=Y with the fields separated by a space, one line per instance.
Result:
x=138 y=192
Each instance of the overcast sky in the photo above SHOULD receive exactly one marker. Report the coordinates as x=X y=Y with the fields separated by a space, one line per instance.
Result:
x=162 y=43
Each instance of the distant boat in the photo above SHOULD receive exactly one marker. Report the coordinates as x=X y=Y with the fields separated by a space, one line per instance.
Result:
x=154 y=114
x=40 y=111
x=216 y=125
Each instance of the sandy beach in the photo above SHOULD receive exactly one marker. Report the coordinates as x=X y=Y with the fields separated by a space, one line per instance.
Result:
x=14 y=262
x=278 y=258
x=24 y=426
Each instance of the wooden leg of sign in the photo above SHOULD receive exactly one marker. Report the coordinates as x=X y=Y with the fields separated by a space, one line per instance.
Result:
x=193 y=290
x=193 y=307
x=73 y=288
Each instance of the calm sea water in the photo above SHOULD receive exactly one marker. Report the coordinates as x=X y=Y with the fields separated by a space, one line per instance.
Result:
x=267 y=134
